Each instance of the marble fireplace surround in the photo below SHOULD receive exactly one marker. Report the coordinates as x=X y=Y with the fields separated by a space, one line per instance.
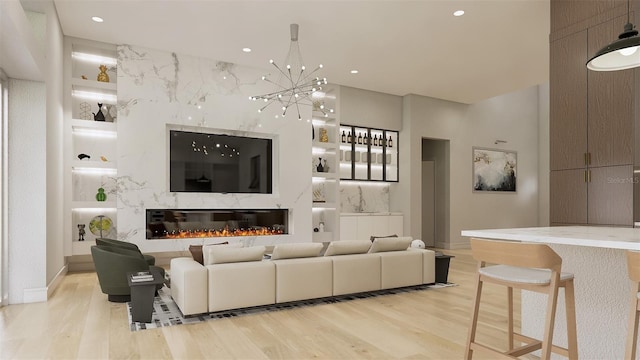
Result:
x=158 y=90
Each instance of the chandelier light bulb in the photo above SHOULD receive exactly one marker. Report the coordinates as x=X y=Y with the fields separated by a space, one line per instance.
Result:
x=303 y=68
x=271 y=61
x=320 y=66
x=264 y=78
x=288 y=67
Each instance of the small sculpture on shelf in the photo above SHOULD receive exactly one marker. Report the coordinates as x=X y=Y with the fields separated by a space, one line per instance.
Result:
x=83 y=156
x=323 y=135
x=320 y=167
x=101 y=196
x=99 y=116
x=81 y=232
x=103 y=76
x=85 y=111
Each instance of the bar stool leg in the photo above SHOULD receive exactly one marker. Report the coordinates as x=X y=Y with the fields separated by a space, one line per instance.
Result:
x=474 y=318
x=572 y=333
x=552 y=301
x=634 y=316
x=510 y=318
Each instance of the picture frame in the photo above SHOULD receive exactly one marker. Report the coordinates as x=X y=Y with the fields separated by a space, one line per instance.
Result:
x=494 y=170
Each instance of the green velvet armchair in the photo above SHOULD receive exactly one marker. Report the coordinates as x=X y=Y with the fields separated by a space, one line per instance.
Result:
x=112 y=265
x=150 y=259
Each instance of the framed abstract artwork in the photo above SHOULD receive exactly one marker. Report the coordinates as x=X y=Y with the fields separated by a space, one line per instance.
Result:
x=494 y=170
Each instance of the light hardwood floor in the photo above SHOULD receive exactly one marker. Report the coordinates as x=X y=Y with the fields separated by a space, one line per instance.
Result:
x=79 y=323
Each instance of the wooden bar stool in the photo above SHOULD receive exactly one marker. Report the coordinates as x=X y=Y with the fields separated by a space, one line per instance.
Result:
x=633 y=264
x=534 y=267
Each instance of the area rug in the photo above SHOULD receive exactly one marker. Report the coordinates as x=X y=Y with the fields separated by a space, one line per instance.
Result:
x=166 y=312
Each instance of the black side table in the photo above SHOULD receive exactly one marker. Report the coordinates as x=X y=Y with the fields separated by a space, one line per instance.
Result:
x=142 y=297
x=442 y=267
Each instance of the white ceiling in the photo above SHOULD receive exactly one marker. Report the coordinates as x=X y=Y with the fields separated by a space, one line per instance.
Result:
x=399 y=47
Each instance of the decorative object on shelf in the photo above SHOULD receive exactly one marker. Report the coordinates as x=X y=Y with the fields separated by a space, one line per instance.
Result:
x=344 y=137
x=99 y=116
x=318 y=195
x=320 y=167
x=295 y=84
x=313 y=132
x=100 y=225
x=321 y=227
x=83 y=156
x=418 y=244
x=83 y=77
x=103 y=76
x=101 y=196
x=103 y=158
x=81 y=232
x=390 y=142
x=85 y=111
x=620 y=54
x=315 y=229
x=494 y=170
x=324 y=165
x=108 y=117
x=324 y=137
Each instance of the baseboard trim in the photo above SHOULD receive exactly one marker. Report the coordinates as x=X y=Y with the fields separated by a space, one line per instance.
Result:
x=55 y=282
x=34 y=295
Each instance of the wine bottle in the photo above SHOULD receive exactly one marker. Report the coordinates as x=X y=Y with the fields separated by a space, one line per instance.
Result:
x=359 y=138
x=349 y=140
x=365 y=139
x=390 y=142
x=344 y=137
x=375 y=140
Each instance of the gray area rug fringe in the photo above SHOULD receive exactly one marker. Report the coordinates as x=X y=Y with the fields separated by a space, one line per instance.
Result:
x=166 y=312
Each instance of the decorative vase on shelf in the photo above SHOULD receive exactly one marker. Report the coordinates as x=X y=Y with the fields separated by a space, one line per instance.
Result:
x=103 y=76
x=81 y=232
x=320 y=168
x=323 y=135
x=99 y=116
x=101 y=196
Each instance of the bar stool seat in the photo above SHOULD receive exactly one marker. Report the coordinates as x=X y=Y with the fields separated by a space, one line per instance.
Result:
x=521 y=275
x=533 y=267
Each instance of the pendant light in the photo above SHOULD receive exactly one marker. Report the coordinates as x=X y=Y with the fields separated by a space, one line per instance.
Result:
x=621 y=54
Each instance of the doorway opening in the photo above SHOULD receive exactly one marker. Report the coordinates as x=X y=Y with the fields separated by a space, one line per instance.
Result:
x=435 y=192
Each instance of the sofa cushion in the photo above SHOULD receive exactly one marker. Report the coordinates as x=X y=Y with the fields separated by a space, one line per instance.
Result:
x=390 y=244
x=226 y=254
x=207 y=247
x=196 y=252
x=298 y=250
x=347 y=247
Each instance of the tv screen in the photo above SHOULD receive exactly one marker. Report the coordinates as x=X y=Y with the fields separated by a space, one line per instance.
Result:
x=218 y=163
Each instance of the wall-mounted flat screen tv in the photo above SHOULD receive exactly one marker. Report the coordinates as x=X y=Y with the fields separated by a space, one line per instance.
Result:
x=218 y=163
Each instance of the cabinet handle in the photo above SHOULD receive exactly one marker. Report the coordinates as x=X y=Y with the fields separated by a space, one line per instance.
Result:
x=589 y=175
x=588 y=158
x=585 y=159
x=585 y=176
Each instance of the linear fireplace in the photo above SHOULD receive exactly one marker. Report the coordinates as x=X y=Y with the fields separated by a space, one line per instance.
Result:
x=204 y=223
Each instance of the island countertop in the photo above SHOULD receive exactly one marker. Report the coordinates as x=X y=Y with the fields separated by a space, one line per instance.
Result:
x=593 y=236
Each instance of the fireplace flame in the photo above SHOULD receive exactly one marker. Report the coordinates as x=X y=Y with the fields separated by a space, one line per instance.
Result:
x=185 y=234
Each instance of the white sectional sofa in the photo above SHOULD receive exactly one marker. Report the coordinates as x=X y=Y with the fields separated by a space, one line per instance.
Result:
x=233 y=277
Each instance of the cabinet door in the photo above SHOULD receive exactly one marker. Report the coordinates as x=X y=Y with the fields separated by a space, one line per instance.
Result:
x=568 y=102
x=568 y=196
x=610 y=104
x=348 y=228
x=611 y=195
x=396 y=225
x=367 y=226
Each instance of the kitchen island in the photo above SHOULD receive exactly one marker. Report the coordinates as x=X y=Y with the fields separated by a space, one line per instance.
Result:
x=596 y=256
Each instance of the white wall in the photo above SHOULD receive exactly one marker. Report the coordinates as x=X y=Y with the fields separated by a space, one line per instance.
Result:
x=157 y=89
x=27 y=191
x=512 y=117
x=370 y=109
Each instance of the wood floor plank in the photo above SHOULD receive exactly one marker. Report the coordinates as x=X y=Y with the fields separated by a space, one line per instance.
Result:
x=79 y=323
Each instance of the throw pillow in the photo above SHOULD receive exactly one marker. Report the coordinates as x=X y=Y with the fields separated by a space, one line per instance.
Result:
x=372 y=238
x=390 y=244
x=346 y=247
x=196 y=252
x=225 y=254
x=299 y=250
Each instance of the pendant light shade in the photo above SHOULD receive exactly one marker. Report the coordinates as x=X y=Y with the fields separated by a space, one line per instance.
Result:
x=619 y=55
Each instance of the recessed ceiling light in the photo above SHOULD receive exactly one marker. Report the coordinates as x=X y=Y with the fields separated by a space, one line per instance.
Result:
x=458 y=13
x=354 y=71
x=97 y=19
x=247 y=50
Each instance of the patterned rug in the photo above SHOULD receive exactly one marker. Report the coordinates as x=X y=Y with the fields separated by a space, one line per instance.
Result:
x=166 y=312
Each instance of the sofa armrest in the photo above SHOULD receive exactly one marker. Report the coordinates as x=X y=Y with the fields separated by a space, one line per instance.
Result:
x=189 y=285
x=428 y=265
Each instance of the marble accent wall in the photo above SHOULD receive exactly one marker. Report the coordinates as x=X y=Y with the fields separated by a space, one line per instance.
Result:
x=159 y=90
x=358 y=197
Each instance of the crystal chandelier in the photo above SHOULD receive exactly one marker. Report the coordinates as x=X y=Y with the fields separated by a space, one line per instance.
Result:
x=295 y=85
